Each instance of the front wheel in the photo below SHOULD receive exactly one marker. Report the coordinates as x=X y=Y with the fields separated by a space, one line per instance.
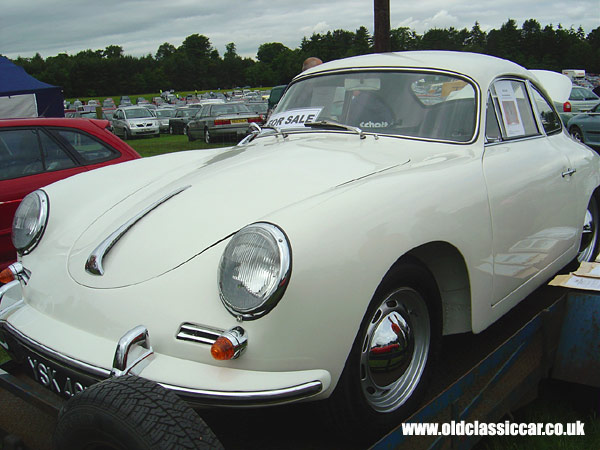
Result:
x=207 y=136
x=589 y=246
x=393 y=355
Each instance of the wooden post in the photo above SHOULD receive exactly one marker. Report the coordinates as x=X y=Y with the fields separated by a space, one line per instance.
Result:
x=382 y=26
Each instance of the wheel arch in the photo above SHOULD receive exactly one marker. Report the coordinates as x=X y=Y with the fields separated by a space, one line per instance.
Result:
x=449 y=269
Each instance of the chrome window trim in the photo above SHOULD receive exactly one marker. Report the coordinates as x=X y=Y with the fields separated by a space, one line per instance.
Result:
x=540 y=129
x=462 y=76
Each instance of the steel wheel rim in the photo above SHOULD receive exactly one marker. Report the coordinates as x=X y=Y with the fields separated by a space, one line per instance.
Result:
x=589 y=235
x=395 y=350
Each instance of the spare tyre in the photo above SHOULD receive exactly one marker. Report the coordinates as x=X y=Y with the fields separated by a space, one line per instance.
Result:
x=130 y=413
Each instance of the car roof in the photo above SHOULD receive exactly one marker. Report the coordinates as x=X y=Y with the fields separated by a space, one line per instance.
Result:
x=74 y=122
x=482 y=68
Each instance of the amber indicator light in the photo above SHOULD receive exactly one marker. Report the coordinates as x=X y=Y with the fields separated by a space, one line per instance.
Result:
x=6 y=276
x=222 y=349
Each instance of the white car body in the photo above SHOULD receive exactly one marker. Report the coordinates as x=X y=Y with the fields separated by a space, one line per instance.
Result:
x=491 y=221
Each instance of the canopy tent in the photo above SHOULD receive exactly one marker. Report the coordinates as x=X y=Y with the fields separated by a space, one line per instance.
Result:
x=21 y=95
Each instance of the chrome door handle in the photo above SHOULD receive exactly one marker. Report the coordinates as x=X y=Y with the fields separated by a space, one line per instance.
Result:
x=568 y=172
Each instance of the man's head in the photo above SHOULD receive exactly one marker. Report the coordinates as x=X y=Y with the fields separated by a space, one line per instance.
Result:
x=310 y=62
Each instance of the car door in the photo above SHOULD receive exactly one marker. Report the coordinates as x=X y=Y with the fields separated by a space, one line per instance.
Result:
x=117 y=122
x=532 y=194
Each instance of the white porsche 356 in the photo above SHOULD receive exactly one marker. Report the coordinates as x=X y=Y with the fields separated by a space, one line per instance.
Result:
x=390 y=199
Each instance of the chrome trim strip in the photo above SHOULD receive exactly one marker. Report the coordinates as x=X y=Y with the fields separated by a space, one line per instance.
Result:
x=53 y=354
x=198 y=333
x=249 y=398
x=94 y=262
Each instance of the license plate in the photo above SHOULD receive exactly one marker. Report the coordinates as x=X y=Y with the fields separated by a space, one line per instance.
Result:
x=55 y=377
x=239 y=120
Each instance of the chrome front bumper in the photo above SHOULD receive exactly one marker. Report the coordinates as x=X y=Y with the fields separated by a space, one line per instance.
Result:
x=133 y=353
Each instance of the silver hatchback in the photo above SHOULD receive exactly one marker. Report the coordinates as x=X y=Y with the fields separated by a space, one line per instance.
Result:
x=131 y=121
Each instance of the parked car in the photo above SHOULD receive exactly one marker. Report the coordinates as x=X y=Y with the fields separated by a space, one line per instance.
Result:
x=125 y=101
x=323 y=257
x=108 y=103
x=163 y=115
x=37 y=152
x=178 y=123
x=585 y=127
x=222 y=120
x=580 y=100
x=134 y=121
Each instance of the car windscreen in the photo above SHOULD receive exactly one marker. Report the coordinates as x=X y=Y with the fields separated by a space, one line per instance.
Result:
x=139 y=113
x=413 y=104
x=580 y=93
x=165 y=112
x=230 y=108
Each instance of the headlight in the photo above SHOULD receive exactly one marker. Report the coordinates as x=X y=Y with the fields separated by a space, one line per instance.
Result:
x=30 y=221
x=254 y=270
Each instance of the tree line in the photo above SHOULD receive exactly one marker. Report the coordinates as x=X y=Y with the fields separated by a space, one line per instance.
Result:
x=197 y=65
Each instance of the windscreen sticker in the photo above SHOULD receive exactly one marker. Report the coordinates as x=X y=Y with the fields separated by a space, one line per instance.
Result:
x=294 y=118
x=511 y=115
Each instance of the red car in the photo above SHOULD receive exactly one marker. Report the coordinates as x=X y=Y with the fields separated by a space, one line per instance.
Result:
x=38 y=151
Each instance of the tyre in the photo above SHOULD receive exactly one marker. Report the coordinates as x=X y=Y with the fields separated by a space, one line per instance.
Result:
x=130 y=413
x=393 y=355
x=207 y=136
x=185 y=131
x=126 y=135
x=576 y=133
x=588 y=248
x=171 y=130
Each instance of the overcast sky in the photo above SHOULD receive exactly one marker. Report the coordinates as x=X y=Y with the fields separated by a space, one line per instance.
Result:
x=51 y=27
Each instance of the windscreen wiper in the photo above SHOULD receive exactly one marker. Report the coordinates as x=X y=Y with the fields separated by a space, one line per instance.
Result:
x=335 y=125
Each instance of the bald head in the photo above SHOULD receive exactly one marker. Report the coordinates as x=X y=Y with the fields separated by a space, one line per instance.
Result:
x=310 y=62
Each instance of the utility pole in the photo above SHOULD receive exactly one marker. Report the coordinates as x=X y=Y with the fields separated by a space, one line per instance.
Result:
x=382 y=26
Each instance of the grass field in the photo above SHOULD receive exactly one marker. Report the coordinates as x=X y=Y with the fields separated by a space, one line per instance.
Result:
x=166 y=143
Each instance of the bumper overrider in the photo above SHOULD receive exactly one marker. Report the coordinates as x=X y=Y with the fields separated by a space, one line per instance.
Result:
x=65 y=375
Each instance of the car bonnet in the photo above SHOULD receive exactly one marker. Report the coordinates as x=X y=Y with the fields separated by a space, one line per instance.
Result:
x=173 y=214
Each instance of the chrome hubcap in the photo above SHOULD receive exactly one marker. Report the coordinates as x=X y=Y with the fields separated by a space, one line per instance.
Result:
x=395 y=350
x=589 y=235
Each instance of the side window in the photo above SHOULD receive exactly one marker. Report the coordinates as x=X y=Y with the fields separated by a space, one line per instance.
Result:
x=549 y=119
x=516 y=115
x=20 y=154
x=492 y=129
x=90 y=150
x=54 y=156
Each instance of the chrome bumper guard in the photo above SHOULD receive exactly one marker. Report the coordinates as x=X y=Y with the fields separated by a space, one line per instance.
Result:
x=133 y=353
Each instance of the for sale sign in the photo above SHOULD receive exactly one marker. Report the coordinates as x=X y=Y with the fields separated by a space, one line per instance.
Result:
x=294 y=118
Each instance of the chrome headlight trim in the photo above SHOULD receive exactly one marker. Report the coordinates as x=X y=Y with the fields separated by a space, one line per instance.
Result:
x=269 y=299
x=35 y=233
